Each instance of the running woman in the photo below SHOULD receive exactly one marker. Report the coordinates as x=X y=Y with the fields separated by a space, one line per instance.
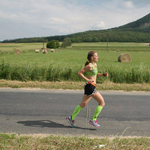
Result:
x=90 y=89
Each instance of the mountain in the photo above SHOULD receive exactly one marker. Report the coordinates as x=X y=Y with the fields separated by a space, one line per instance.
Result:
x=143 y=23
x=137 y=31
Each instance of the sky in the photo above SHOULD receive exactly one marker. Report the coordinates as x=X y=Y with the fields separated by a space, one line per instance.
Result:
x=39 y=18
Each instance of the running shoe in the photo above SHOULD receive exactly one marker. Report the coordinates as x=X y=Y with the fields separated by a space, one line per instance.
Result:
x=70 y=121
x=94 y=123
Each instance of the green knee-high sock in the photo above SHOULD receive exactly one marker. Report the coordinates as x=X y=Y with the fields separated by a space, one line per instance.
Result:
x=76 y=111
x=97 y=112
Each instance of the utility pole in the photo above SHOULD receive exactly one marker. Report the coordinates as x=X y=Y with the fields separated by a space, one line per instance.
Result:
x=44 y=43
x=107 y=42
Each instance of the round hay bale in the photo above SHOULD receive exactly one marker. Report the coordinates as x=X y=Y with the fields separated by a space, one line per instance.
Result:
x=37 y=51
x=17 y=51
x=124 y=58
x=52 y=50
x=44 y=50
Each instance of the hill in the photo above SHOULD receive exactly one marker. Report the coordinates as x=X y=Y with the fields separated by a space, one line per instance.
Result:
x=143 y=24
x=137 y=31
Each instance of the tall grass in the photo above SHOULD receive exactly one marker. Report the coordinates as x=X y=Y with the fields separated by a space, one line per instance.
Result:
x=57 y=73
x=36 y=73
x=129 y=75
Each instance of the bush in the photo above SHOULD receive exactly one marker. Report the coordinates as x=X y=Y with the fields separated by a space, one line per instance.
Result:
x=66 y=42
x=57 y=44
x=53 y=44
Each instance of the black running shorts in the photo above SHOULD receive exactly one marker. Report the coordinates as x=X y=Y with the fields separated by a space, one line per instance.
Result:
x=89 y=89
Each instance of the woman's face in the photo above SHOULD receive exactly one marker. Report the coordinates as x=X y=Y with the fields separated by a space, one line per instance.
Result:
x=95 y=57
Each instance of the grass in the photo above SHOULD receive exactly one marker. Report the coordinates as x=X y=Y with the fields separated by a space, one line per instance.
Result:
x=64 y=64
x=57 y=142
x=113 y=46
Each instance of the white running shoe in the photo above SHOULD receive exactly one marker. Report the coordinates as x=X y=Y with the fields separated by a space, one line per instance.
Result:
x=94 y=123
x=70 y=121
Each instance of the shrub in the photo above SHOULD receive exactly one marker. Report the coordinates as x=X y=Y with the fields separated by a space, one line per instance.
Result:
x=51 y=44
x=66 y=42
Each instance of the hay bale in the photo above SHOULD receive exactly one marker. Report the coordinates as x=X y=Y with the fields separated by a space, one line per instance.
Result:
x=37 y=51
x=52 y=50
x=124 y=58
x=17 y=52
x=44 y=50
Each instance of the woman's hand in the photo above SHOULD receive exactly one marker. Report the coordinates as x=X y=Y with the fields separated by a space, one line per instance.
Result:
x=105 y=74
x=90 y=80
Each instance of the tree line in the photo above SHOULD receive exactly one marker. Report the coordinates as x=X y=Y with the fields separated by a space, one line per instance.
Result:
x=111 y=35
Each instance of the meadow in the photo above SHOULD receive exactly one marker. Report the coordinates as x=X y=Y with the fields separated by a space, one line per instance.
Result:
x=64 y=64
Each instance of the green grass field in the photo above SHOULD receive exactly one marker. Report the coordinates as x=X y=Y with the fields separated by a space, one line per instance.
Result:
x=65 y=63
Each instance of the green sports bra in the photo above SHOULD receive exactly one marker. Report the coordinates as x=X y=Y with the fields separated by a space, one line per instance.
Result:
x=92 y=72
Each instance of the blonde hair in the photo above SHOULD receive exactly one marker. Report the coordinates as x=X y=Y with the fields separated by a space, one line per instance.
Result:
x=90 y=54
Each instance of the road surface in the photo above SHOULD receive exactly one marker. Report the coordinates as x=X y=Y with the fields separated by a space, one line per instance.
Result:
x=37 y=111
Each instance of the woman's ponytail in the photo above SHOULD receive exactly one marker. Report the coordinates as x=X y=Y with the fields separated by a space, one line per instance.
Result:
x=87 y=62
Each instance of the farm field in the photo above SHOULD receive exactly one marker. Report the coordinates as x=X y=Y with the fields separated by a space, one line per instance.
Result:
x=64 y=64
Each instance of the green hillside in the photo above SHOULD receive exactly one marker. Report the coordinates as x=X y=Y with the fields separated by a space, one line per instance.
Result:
x=137 y=31
x=142 y=24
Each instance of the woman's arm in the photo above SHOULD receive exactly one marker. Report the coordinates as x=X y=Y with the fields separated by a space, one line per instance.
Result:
x=80 y=73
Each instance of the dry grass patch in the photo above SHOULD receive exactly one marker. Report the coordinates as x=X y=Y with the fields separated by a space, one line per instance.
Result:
x=107 y=85
x=57 y=142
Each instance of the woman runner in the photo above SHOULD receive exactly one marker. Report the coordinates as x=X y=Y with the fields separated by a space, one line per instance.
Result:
x=90 y=89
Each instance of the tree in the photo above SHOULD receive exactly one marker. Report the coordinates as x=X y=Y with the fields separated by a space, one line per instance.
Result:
x=51 y=44
x=57 y=44
x=66 y=42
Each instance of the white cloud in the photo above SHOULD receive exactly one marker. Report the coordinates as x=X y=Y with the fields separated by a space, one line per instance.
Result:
x=128 y=4
x=141 y=3
x=98 y=26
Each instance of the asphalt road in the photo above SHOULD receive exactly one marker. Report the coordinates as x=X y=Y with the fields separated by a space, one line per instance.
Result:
x=36 y=111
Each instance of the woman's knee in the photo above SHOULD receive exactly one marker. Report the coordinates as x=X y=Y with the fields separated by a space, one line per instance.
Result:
x=82 y=105
x=98 y=97
x=102 y=103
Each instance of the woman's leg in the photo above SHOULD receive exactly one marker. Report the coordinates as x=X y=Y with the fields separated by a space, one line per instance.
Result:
x=83 y=103
x=85 y=100
x=98 y=97
x=101 y=103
